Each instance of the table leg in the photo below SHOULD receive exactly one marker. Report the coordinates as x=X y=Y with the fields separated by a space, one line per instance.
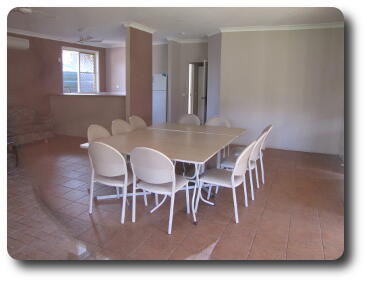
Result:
x=218 y=159
x=197 y=172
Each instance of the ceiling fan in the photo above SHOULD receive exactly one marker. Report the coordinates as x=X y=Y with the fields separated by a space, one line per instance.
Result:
x=85 y=38
x=30 y=11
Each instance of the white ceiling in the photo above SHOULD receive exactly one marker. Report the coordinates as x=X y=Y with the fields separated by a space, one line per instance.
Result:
x=181 y=23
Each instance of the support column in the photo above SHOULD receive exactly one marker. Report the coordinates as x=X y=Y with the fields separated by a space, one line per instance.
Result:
x=139 y=74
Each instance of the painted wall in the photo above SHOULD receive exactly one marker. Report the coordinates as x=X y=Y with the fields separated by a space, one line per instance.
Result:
x=116 y=69
x=173 y=80
x=74 y=113
x=139 y=74
x=179 y=57
x=291 y=79
x=214 y=58
x=160 y=58
x=36 y=73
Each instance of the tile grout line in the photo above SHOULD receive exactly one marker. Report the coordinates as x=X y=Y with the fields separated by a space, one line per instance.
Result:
x=322 y=238
x=289 y=230
x=261 y=214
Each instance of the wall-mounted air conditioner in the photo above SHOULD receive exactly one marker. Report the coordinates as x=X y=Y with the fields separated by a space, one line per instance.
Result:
x=18 y=43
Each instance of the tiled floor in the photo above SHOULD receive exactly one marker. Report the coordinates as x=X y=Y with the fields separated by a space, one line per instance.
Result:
x=297 y=215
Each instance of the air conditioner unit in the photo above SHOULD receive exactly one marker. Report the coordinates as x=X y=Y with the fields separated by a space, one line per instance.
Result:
x=18 y=43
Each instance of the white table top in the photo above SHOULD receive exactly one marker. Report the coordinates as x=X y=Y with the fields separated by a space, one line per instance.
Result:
x=218 y=130
x=185 y=146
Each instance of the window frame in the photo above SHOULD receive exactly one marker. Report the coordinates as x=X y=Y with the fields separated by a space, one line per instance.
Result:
x=85 y=51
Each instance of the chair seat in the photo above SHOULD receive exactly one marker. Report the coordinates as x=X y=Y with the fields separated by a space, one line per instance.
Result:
x=230 y=161
x=163 y=188
x=220 y=177
x=117 y=181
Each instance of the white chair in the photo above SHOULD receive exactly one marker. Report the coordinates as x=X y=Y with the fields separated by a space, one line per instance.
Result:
x=154 y=172
x=120 y=127
x=262 y=148
x=221 y=122
x=229 y=162
x=229 y=179
x=265 y=132
x=218 y=121
x=97 y=132
x=136 y=122
x=109 y=168
x=189 y=119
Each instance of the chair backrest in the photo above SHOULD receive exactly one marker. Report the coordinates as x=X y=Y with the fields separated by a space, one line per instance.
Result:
x=96 y=132
x=189 y=119
x=120 y=126
x=218 y=121
x=241 y=164
x=136 y=122
x=267 y=131
x=106 y=160
x=152 y=166
x=255 y=153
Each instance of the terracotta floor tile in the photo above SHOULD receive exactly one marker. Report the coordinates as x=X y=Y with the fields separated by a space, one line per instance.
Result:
x=232 y=248
x=297 y=215
x=73 y=184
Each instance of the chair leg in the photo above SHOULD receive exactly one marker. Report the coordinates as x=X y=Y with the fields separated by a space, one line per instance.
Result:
x=184 y=169
x=216 y=190
x=245 y=190
x=145 y=199
x=187 y=200
x=171 y=214
x=134 y=203
x=198 y=196
x=252 y=185
x=91 y=197
x=262 y=168
x=156 y=199
x=123 y=209
x=235 y=204
x=209 y=192
x=257 y=176
x=117 y=192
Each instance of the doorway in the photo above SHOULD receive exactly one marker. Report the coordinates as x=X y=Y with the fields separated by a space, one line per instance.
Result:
x=197 y=98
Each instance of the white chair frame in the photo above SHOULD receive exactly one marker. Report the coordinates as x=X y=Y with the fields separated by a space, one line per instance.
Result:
x=171 y=179
x=240 y=169
x=104 y=167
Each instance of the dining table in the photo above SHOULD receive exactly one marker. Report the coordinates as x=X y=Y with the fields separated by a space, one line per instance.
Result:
x=190 y=144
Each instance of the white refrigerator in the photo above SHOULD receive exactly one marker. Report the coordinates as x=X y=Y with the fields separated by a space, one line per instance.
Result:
x=159 y=104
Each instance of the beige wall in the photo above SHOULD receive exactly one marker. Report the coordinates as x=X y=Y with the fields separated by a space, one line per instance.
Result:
x=160 y=58
x=73 y=114
x=179 y=57
x=214 y=57
x=291 y=79
x=173 y=79
x=116 y=69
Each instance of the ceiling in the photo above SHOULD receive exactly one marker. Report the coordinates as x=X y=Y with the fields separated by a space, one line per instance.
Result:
x=181 y=23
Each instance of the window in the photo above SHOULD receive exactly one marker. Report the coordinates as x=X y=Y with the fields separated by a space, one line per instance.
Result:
x=80 y=70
